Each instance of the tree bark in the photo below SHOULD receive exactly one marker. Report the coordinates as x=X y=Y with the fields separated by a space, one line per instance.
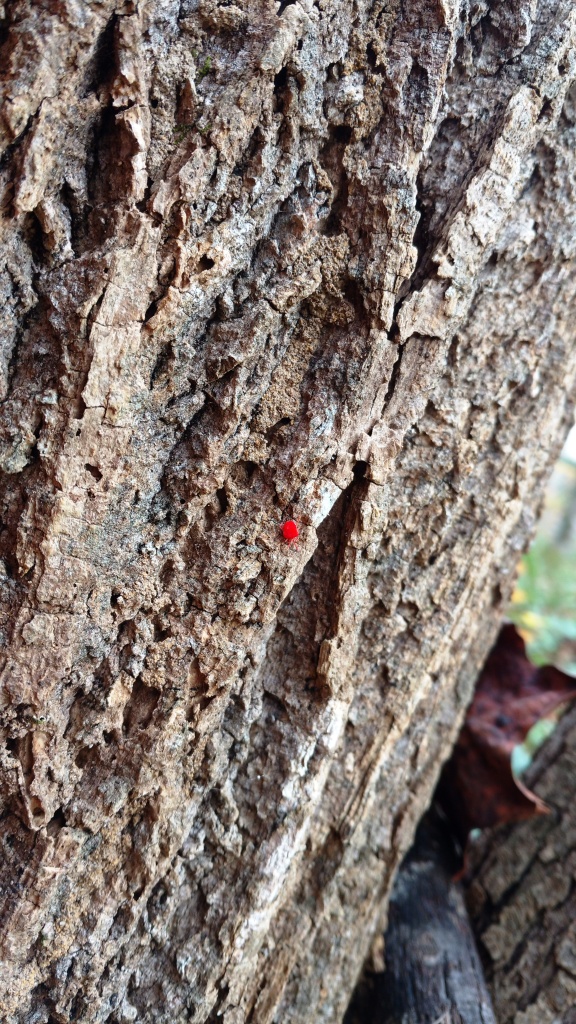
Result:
x=308 y=261
x=521 y=894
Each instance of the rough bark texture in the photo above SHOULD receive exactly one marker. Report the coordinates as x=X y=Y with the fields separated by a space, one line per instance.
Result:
x=312 y=260
x=523 y=898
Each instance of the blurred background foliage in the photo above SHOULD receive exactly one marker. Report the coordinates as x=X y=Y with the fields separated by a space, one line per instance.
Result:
x=543 y=606
x=544 y=602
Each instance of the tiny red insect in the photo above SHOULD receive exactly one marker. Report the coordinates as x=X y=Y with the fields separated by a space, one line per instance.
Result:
x=289 y=530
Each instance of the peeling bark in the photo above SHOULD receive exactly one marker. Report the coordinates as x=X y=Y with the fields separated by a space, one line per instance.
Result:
x=310 y=261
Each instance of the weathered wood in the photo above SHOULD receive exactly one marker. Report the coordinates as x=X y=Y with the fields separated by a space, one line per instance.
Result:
x=521 y=894
x=259 y=261
x=433 y=970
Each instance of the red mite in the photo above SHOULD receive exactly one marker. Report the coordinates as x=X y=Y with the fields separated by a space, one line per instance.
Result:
x=289 y=530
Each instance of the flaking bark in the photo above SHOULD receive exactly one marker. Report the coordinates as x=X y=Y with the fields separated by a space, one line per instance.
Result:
x=310 y=261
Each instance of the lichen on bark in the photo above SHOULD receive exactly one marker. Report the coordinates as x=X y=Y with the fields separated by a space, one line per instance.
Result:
x=310 y=261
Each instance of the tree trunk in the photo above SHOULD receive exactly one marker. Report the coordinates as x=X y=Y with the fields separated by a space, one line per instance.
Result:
x=522 y=896
x=306 y=261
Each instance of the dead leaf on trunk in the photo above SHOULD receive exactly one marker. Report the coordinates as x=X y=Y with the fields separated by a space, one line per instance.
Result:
x=477 y=788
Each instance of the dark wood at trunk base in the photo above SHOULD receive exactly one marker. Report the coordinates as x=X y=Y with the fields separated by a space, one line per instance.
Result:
x=433 y=971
